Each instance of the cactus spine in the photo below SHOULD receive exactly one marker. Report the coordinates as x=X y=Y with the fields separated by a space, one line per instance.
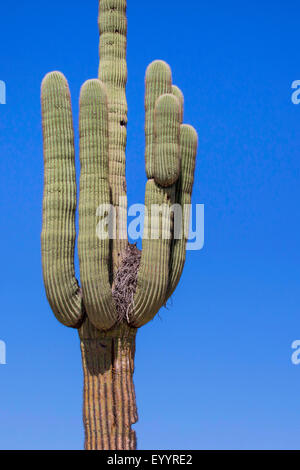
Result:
x=108 y=340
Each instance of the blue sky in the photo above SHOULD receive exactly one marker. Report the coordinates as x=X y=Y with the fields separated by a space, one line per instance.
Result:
x=214 y=371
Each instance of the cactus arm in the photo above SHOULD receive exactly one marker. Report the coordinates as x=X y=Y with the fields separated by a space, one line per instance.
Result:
x=158 y=81
x=167 y=132
x=179 y=95
x=113 y=73
x=152 y=280
x=94 y=253
x=188 y=150
x=153 y=275
x=59 y=202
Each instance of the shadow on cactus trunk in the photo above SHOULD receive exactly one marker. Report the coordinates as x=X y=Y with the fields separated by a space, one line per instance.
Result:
x=109 y=404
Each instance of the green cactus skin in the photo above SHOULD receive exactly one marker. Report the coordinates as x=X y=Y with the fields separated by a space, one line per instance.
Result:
x=108 y=343
x=167 y=138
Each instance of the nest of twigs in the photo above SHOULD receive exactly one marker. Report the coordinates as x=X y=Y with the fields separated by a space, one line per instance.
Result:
x=126 y=281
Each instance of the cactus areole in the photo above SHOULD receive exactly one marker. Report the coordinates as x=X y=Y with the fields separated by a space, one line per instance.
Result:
x=109 y=306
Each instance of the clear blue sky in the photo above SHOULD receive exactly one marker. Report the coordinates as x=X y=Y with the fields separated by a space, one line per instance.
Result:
x=214 y=371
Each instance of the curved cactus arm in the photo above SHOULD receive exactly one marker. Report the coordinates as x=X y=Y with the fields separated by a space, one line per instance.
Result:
x=59 y=203
x=93 y=248
x=113 y=73
x=153 y=275
x=184 y=187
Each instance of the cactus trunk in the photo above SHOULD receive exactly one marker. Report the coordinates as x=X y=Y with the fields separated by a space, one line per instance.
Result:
x=109 y=405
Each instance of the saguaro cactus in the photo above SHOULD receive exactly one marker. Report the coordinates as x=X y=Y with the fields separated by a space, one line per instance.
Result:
x=121 y=288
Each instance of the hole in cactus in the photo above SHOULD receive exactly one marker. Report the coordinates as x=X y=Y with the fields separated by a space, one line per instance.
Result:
x=122 y=123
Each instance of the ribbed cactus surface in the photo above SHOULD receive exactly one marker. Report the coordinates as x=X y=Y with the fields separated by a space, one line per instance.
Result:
x=120 y=289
